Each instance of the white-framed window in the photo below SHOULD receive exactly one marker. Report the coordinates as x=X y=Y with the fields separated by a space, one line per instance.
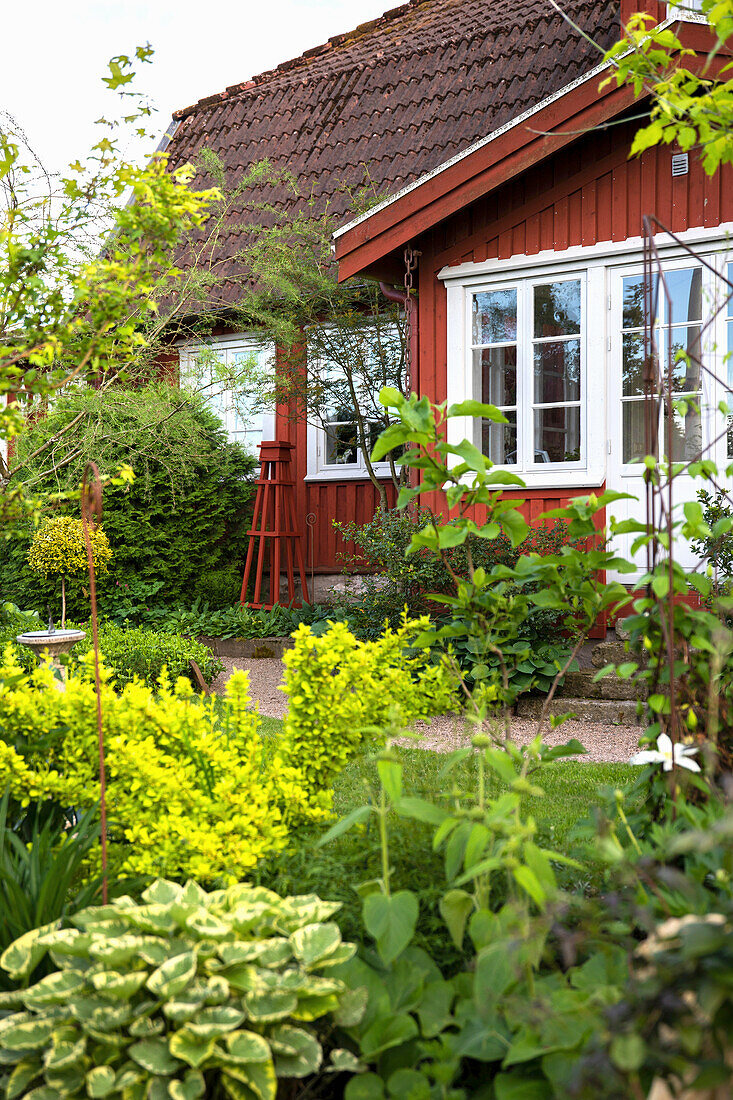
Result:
x=688 y=10
x=528 y=349
x=376 y=354
x=556 y=342
x=234 y=374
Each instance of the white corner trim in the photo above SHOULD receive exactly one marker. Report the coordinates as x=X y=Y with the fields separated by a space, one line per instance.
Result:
x=598 y=70
x=604 y=250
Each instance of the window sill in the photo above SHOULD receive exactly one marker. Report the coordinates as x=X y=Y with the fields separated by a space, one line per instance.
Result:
x=558 y=479
x=346 y=473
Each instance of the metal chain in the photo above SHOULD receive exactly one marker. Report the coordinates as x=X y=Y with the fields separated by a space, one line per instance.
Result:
x=412 y=257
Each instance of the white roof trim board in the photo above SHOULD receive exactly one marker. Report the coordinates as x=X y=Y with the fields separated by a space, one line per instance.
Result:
x=493 y=136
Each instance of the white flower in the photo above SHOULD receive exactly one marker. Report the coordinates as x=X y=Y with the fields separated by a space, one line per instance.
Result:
x=668 y=755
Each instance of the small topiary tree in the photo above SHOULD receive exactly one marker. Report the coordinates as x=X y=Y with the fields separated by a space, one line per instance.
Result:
x=58 y=548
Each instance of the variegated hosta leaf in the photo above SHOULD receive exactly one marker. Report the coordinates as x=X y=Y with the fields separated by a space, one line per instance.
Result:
x=342 y=954
x=128 y=1075
x=157 y=1089
x=119 y=949
x=154 y=1056
x=343 y=1061
x=216 y=1021
x=67 y=1082
x=153 y=918
x=260 y=1078
x=100 y=1081
x=20 y=1078
x=315 y=942
x=173 y=976
x=63 y=1055
x=312 y=1008
x=243 y=951
x=206 y=926
x=307 y=1054
x=54 y=989
x=145 y=1027
x=244 y=1047
x=190 y=1088
x=191 y=1049
x=23 y=956
x=100 y=1014
x=114 y=986
x=352 y=1006
x=25 y=1032
x=162 y=893
x=266 y=1007
x=276 y=954
x=304 y=909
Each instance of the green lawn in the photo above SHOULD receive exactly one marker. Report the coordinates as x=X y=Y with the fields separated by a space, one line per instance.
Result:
x=337 y=869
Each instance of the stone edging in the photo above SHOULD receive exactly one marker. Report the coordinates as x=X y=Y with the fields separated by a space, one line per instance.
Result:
x=251 y=648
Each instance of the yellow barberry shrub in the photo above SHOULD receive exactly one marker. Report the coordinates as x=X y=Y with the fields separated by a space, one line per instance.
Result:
x=191 y=792
x=338 y=687
x=58 y=547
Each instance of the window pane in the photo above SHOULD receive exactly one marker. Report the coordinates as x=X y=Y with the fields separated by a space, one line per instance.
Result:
x=633 y=364
x=498 y=367
x=499 y=441
x=634 y=447
x=341 y=444
x=685 y=290
x=686 y=351
x=633 y=301
x=557 y=371
x=557 y=309
x=557 y=435
x=495 y=316
x=686 y=435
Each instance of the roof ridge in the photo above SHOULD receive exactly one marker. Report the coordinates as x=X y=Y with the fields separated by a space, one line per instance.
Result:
x=302 y=59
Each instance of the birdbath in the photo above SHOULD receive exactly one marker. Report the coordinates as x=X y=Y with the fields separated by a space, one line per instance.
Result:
x=48 y=645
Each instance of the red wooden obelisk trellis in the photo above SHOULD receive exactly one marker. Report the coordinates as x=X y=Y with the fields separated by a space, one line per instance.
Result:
x=274 y=529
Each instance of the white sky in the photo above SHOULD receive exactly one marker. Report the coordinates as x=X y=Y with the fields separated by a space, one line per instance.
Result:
x=56 y=53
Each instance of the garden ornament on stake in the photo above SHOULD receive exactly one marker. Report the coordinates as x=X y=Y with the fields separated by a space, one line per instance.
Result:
x=91 y=510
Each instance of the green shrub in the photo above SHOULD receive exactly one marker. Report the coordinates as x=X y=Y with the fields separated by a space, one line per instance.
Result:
x=180 y=997
x=192 y=790
x=184 y=517
x=343 y=691
x=240 y=621
x=144 y=653
x=400 y=580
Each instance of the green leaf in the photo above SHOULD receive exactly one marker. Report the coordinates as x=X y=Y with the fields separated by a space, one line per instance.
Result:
x=192 y=1049
x=191 y=1087
x=22 y=1075
x=315 y=942
x=390 y=776
x=477 y=408
x=391 y=921
x=173 y=976
x=22 y=957
x=529 y=882
x=356 y=817
x=421 y=810
x=628 y=1052
x=307 y=1056
x=215 y=1021
x=260 y=1078
x=500 y=762
x=154 y=1056
x=268 y=1007
x=386 y=1032
x=100 y=1081
x=510 y=1086
x=455 y=908
x=247 y=1046
x=367 y=1086
x=515 y=526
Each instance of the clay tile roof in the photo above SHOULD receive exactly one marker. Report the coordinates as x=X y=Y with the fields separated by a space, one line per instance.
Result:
x=394 y=98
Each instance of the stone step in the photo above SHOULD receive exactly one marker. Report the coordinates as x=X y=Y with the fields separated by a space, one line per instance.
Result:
x=609 y=653
x=610 y=712
x=581 y=685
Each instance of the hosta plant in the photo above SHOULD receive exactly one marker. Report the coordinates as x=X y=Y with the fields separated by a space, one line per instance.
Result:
x=190 y=994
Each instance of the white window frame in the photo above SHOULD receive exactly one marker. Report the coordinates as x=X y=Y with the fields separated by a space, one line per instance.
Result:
x=601 y=264
x=687 y=11
x=320 y=470
x=247 y=343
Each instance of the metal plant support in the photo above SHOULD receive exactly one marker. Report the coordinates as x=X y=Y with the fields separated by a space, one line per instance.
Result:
x=659 y=405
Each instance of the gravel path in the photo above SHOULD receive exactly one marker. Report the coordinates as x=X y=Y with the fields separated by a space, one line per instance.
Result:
x=605 y=744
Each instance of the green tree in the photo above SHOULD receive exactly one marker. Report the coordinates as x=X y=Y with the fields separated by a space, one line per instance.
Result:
x=691 y=96
x=83 y=262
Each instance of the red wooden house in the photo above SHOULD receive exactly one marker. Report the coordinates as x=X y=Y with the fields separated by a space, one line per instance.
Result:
x=508 y=171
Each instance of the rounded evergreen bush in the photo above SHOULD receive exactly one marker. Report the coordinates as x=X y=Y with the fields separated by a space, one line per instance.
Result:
x=185 y=517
